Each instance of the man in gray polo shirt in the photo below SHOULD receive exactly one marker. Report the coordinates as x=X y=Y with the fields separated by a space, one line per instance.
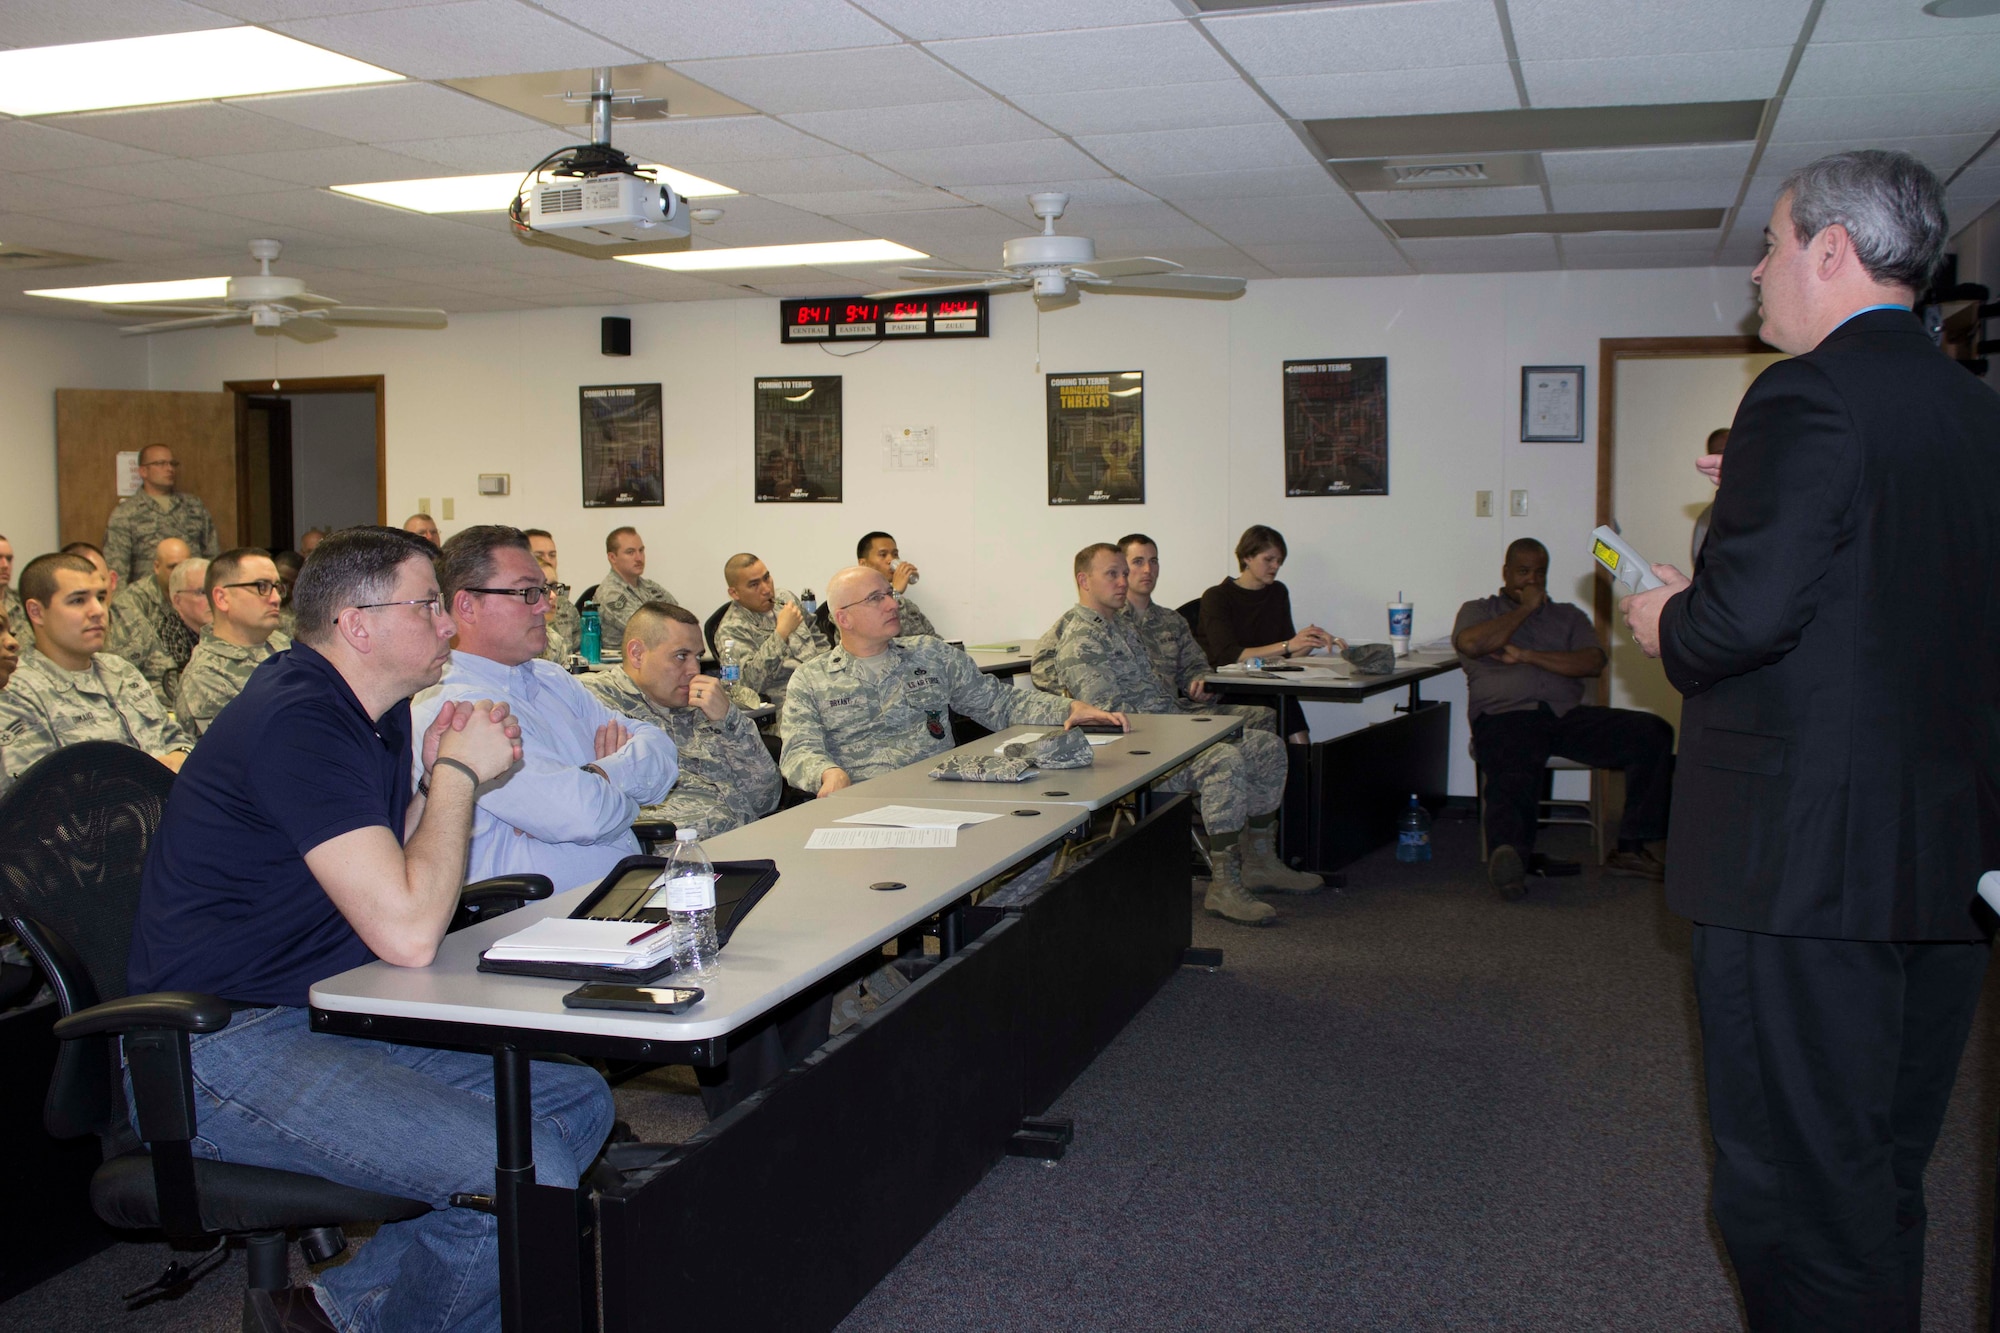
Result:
x=1526 y=659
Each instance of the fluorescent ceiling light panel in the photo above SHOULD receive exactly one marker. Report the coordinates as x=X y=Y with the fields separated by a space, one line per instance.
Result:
x=820 y=254
x=492 y=194
x=172 y=67
x=123 y=293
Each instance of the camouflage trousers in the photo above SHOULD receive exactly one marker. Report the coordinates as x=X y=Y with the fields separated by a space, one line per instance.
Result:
x=695 y=810
x=1234 y=780
x=1255 y=717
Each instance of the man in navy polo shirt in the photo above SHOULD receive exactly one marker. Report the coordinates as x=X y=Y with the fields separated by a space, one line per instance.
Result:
x=292 y=849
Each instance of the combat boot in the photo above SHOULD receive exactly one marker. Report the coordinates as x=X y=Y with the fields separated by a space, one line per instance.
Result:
x=1264 y=869
x=1226 y=897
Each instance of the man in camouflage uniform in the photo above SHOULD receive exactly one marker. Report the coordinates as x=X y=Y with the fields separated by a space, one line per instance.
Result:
x=242 y=589
x=625 y=587
x=10 y=648
x=727 y=775
x=772 y=632
x=564 y=623
x=1099 y=655
x=878 y=551
x=878 y=702
x=1177 y=658
x=150 y=619
x=142 y=521
x=10 y=601
x=288 y=564
x=66 y=691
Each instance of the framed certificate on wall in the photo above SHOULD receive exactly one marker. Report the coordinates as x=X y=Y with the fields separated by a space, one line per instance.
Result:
x=1552 y=404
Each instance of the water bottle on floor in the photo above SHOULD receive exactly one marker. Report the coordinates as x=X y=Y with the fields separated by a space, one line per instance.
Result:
x=691 y=905
x=1413 y=833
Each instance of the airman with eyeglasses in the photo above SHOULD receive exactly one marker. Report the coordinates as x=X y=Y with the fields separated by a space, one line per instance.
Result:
x=243 y=591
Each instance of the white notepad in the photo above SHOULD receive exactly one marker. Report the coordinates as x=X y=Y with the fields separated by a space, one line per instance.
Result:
x=556 y=939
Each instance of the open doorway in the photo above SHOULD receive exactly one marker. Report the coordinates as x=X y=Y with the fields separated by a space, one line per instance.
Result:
x=1661 y=398
x=311 y=454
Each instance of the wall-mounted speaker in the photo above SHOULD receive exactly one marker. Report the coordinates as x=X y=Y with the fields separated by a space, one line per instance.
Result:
x=617 y=336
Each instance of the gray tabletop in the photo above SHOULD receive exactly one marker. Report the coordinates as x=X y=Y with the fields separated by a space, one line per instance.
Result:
x=1330 y=678
x=1156 y=744
x=820 y=915
x=995 y=663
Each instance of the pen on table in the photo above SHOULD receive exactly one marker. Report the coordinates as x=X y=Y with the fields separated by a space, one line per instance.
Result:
x=649 y=932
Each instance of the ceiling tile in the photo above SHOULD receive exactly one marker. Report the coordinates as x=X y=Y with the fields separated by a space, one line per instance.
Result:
x=42 y=194
x=1719 y=192
x=29 y=24
x=994 y=164
x=1483 y=254
x=1105 y=193
x=227 y=231
x=1330 y=261
x=1180 y=152
x=1871 y=20
x=1853 y=69
x=941 y=224
x=330 y=166
x=1176 y=185
x=1571 y=29
x=700 y=29
x=1138 y=57
x=461 y=40
x=1635 y=259
x=1283 y=221
x=1944 y=153
x=871 y=76
x=1360 y=39
x=1903 y=115
x=389 y=112
x=481 y=154
x=848 y=172
x=909 y=198
x=26 y=145
x=697 y=143
x=942 y=125
x=1718 y=76
x=928 y=20
x=196 y=129
x=1172 y=106
x=1473 y=202
x=1615 y=166
x=1398 y=92
x=170 y=178
x=77 y=235
x=731 y=230
x=1701 y=243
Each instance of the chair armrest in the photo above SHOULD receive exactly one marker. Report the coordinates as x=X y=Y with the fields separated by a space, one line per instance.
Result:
x=173 y=1010
x=653 y=830
x=497 y=896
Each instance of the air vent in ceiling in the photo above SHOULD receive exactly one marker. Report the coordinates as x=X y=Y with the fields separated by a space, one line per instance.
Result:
x=1439 y=173
x=1432 y=173
x=1564 y=224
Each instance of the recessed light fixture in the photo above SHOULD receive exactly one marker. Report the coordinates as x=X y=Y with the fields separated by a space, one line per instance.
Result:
x=172 y=67
x=491 y=194
x=125 y=293
x=1962 y=9
x=820 y=254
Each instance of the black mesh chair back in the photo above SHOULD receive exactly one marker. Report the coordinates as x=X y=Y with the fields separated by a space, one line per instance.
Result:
x=1191 y=612
x=708 y=629
x=587 y=598
x=73 y=837
x=824 y=619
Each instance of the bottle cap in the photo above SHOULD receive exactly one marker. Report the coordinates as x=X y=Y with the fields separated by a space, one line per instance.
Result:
x=684 y=835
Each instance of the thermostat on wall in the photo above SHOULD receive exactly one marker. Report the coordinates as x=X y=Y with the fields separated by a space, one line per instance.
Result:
x=493 y=483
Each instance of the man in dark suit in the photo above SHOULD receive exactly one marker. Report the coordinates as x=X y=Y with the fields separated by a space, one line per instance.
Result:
x=1836 y=798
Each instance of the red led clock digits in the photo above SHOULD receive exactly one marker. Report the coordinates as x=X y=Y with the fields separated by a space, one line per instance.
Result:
x=812 y=314
x=960 y=307
x=859 y=314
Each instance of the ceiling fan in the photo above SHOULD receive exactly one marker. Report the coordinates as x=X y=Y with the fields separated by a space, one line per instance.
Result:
x=273 y=305
x=1061 y=268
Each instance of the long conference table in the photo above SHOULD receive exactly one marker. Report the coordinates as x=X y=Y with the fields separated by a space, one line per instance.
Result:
x=751 y=1220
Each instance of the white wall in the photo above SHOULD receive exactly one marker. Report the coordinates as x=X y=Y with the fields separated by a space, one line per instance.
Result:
x=333 y=460
x=37 y=357
x=499 y=393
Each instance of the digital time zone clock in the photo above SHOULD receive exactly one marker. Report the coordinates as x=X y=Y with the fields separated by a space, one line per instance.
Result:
x=858 y=319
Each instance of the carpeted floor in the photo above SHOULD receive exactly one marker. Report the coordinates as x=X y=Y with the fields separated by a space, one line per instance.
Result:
x=1408 y=1106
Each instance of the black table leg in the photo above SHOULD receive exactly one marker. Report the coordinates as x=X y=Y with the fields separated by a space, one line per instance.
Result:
x=514 y=1167
x=545 y=1231
x=951 y=930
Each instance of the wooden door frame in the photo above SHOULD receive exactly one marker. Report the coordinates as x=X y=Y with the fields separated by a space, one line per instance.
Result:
x=284 y=388
x=1611 y=351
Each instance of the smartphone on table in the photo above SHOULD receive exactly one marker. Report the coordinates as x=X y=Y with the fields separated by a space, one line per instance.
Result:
x=642 y=999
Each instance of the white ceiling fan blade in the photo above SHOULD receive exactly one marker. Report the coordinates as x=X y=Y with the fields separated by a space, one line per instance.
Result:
x=961 y=275
x=198 y=322
x=1009 y=283
x=165 y=310
x=368 y=314
x=305 y=330
x=1170 y=284
x=311 y=298
x=1127 y=268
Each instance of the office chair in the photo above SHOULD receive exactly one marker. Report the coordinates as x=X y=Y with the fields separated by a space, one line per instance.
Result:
x=708 y=630
x=587 y=598
x=1191 y=612
x=73 y=837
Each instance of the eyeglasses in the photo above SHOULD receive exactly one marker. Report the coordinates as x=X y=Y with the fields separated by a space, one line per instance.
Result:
x=435 y=603
x=263 y=587
x=872 y=599
x=531 y=596
x=162 y=462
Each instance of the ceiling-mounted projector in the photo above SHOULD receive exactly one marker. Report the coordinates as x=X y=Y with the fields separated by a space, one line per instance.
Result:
x=612 y=209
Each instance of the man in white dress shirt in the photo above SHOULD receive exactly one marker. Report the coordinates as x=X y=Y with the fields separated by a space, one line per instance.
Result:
x=566 y=809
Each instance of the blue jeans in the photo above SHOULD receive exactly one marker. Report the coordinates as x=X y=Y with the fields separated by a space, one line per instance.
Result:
x=404 y=1120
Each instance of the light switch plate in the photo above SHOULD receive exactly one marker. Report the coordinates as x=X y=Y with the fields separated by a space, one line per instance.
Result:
x=1482 y=504
x=1517 y=503
x=423 y=504
x=448 y=508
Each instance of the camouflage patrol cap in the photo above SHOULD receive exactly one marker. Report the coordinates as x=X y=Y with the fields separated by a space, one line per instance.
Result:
x=981 y=768
x=1371 y=659
x=1056 y=749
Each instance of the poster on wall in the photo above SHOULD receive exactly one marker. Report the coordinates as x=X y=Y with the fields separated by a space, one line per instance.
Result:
x=1337 y=426
x=623 y=457
x=798 y=439
x=1097 y=438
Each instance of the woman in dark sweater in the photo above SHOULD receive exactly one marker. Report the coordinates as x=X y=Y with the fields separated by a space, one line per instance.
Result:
x=1251 y=616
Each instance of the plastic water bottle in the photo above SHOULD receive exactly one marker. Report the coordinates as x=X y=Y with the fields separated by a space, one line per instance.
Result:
x=1413 y=832
x=590 y=638
x=691 y=904
x=732 y=670
x=808 y=602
